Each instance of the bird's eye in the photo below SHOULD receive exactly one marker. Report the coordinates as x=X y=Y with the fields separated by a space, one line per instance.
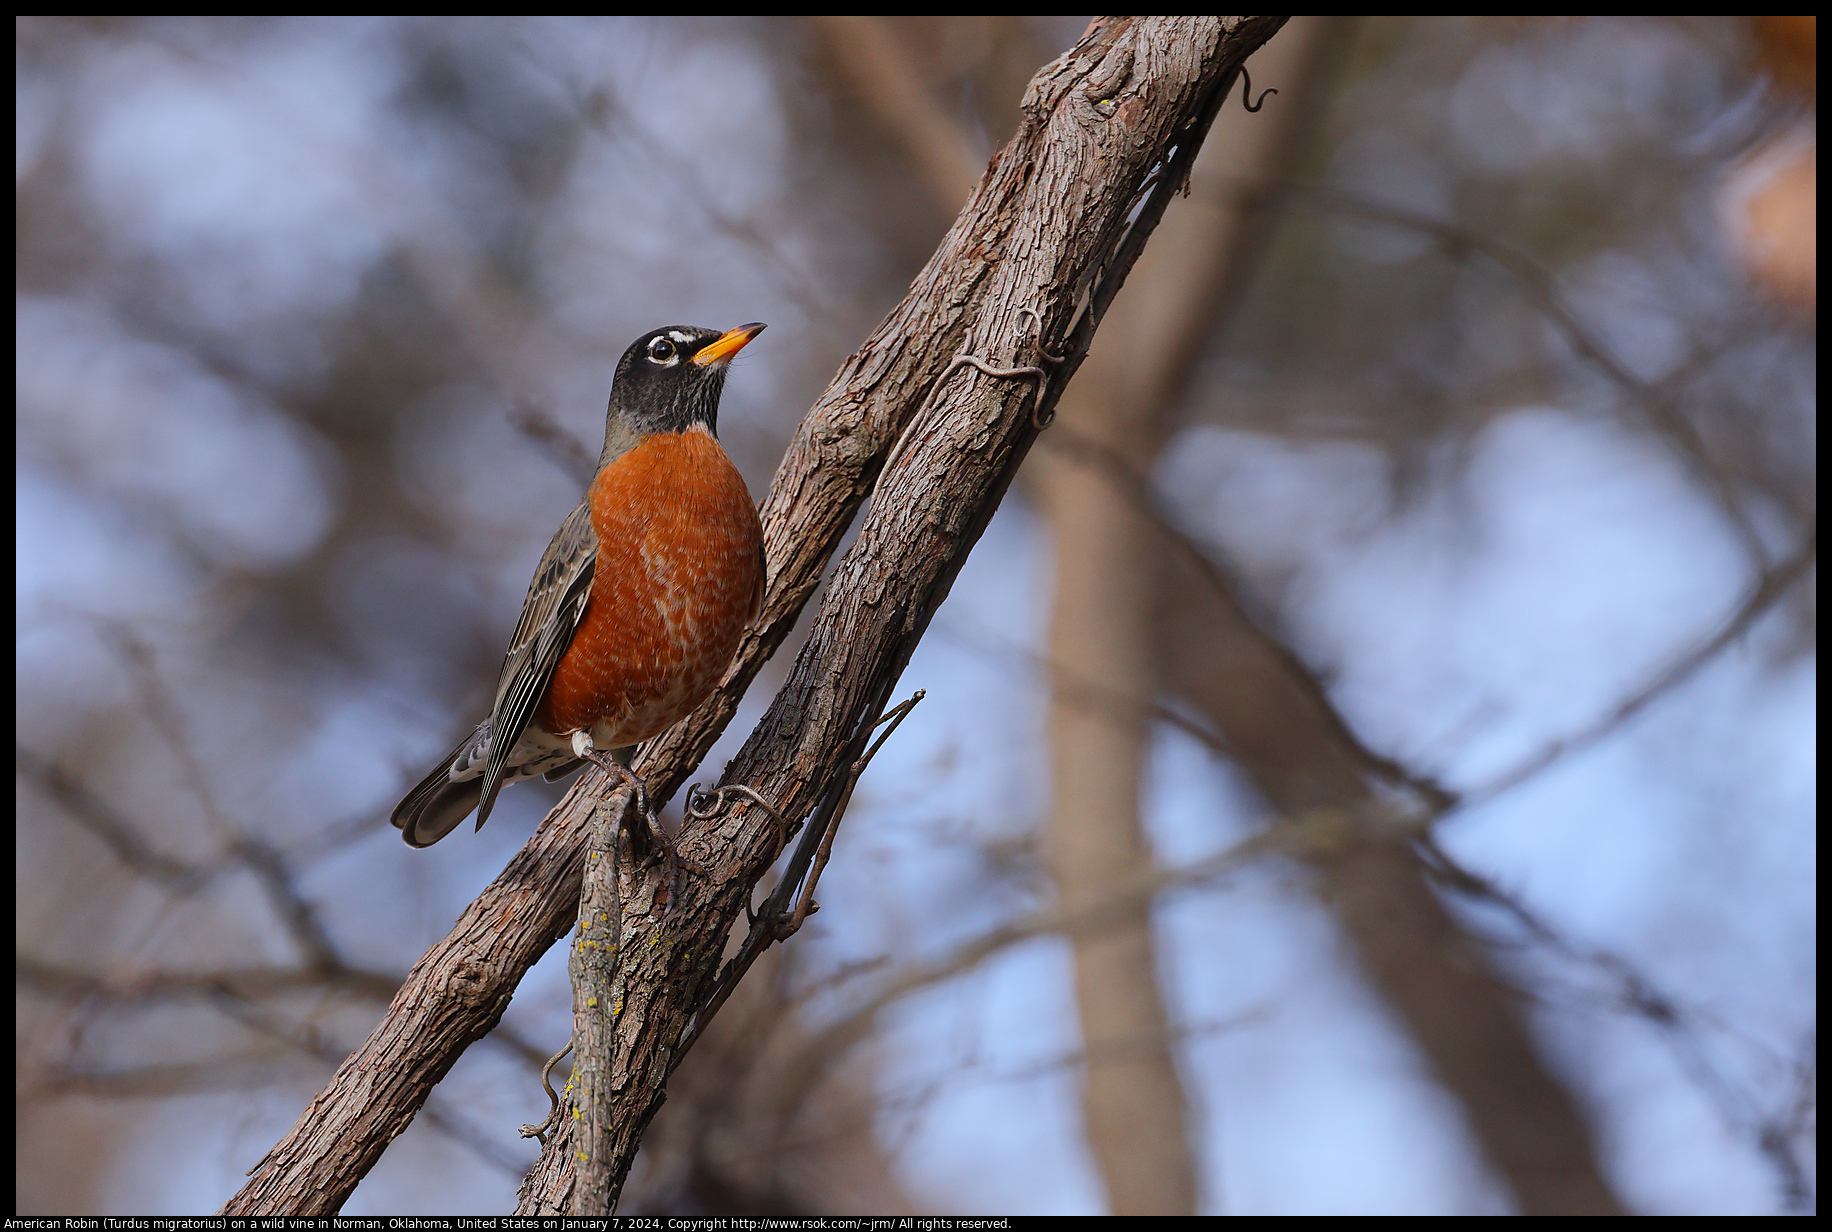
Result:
x=661 y=351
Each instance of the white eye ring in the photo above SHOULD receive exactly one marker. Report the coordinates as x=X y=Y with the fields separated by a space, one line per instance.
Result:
x=661 y=351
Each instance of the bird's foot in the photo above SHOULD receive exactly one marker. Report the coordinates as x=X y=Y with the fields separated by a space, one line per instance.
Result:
x=648 y=836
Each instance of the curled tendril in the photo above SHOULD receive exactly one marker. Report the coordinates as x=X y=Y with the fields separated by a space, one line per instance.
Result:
x=1246 y=92
x=1033 y=314
x=702 y=804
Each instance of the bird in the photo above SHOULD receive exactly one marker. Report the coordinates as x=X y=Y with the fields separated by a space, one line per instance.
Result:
x=638 y=604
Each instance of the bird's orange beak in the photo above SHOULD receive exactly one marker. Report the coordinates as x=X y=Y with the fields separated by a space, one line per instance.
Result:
x=726 y=344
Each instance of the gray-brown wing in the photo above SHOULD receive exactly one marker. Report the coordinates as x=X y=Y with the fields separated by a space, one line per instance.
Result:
x=555 y=603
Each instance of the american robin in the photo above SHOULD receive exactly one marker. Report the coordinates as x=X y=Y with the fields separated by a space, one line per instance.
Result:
x=637 y=606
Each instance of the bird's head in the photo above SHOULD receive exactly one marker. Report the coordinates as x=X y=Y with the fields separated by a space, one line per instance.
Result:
x=669 y=380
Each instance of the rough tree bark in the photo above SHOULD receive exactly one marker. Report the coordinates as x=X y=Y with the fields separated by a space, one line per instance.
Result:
x=1028 y=268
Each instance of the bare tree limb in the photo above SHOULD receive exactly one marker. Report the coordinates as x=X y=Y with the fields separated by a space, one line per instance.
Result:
x=597 y=972
x=152 y=986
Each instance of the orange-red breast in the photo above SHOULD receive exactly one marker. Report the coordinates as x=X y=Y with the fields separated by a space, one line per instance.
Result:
x=637 y=606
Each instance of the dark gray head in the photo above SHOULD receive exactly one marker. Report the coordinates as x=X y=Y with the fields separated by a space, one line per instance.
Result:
x=668 y=381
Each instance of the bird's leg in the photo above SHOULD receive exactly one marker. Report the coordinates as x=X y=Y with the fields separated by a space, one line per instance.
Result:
x=615 y=769
x=651 y=831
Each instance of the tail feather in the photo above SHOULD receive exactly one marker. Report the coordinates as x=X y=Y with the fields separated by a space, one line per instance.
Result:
x=436 y=805
x=433 y=809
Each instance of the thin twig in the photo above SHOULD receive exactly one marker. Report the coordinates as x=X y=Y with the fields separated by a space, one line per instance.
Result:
x=168 y=719
x=1680 y=1026
x=155 y=985
x=1771 y=586
x=120 y=835
x=1657 y=400
x=1297 y=837
x=776 y=921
